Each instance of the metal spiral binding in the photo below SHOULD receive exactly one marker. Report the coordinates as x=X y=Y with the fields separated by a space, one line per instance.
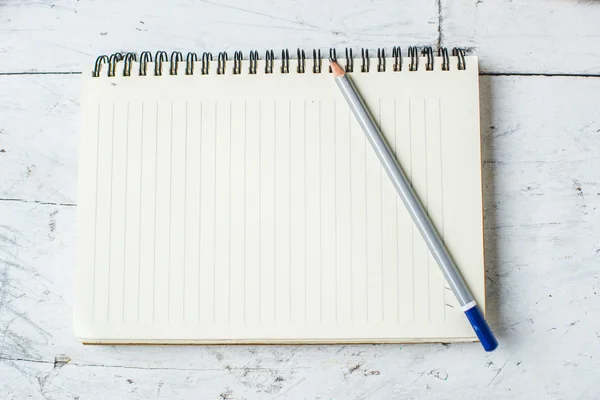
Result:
x=145 y=58
x=332 y=56
x=221 y=62
x=189 y=63
x=461 y=58
x=112 y=63
x=161 y=57
x=428 y=52
x=366 y=61
x=285 y=62
x=237 y=62
x=413 y=53
x=270 y=58
x=129 y=58
x=253 y=62
x=317 y=61
x=380 y=60
x=349 y=61
x=443 y=53
x=98 y=65
x=301 y=62
x=176 y=56
x=397 y=54
x=206 y=59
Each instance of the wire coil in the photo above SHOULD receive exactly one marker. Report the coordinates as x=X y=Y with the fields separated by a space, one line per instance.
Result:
x=446 y=63
x=285 y=62
x=301 y=62
x=413 y=53
x=145 y=58
x=161 y=56
x=221 y=62
x=189 y=63
x=443 y=53
x=364 y=67
x=270 y=58
x=461 y=58
x=176 y=56
x=237 y=62
x=112 y=63
x=349 y=61
x=129 y=58
x=317 y=61
x=332 y=56
x=397 y=55
x=428 y=52
x=380 y=60
x=206 y=59
x=253 y=62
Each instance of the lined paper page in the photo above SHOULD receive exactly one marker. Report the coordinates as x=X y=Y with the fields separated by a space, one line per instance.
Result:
x=226 y=208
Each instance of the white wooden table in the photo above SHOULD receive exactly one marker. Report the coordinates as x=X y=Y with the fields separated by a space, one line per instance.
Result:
x=540 y=95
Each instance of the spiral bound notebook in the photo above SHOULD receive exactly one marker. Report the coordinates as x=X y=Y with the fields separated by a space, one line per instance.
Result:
x=237 y=201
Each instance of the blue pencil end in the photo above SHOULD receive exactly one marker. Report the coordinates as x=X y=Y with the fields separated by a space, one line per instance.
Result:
x=482 y=329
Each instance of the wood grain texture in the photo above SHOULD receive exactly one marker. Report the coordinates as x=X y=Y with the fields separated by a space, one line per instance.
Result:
x=65 y=35
x=541 y=197
x=38 y=137
x=518 y=36
x=541 y=140
x=523 y=36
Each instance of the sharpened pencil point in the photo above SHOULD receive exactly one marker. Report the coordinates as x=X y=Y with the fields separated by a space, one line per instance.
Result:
x=336 y=69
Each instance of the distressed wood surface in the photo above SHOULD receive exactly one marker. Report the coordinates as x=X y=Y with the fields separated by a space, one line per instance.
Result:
x=541 y=191
x=519 y=36
x=541 y=141
x=526 y=36
x=39 y=120
x=68 y=33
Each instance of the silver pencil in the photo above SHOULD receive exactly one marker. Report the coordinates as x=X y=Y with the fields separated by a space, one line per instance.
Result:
x=415 y=208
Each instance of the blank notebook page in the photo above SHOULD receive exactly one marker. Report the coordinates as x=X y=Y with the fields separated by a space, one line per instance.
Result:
x=251 y=208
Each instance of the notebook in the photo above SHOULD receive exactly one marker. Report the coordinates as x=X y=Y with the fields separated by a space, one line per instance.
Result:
x=238 y=201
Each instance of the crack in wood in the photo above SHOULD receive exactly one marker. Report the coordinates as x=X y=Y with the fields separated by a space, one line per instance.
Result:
x=440 y=21
x=41 y=73
x=46 y=203
x=549 y=75
x=438 y=45
x=52 y=362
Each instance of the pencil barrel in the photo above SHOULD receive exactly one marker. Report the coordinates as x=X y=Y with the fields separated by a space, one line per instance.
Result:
x=405 y=191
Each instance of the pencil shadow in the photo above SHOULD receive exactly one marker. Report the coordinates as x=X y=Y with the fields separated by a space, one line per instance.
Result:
x=491 y=245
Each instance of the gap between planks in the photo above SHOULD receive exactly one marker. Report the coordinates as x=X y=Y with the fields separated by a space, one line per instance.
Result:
x=491 y=73
x=53 y=362
x=46 y=203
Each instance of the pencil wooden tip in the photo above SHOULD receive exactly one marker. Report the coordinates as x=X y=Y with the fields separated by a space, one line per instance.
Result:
x=336 y=69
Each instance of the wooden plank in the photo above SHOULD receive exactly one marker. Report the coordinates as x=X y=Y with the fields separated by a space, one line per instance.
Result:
x=39 y=119
x=65 y=34
x=541 y=197
x=521 y=36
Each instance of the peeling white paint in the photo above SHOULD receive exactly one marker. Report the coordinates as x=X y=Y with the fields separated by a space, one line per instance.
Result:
x=541 y=141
